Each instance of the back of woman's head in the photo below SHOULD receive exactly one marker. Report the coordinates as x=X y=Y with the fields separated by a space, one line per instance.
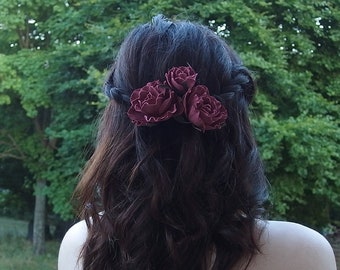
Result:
x=171 y=195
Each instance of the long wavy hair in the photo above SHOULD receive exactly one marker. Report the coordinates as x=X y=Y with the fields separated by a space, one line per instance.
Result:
x=170 y=196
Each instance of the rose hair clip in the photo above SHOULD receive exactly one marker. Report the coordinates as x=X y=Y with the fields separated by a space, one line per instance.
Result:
x=178 y=97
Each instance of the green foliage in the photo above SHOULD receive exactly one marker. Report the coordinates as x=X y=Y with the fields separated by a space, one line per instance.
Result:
x=54 y=103
x=301 y=156
x=51 y=72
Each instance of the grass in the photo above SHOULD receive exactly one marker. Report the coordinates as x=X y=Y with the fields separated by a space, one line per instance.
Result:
x=16 y=251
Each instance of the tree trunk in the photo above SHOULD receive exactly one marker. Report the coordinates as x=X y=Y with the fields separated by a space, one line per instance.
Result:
x=39 y=218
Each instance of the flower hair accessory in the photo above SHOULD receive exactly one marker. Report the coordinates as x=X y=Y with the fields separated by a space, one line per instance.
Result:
x=178 y=95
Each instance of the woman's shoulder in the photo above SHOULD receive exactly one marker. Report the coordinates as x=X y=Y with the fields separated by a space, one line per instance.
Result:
x=71 y=246
x=284 y=245
x=287 y=245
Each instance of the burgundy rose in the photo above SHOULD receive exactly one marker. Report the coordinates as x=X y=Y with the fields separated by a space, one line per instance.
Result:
x=153 y=103
x=203 y=110
x=181 y=79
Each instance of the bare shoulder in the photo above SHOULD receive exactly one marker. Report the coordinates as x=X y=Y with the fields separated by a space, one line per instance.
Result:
x=287 y=245
x=71 y=246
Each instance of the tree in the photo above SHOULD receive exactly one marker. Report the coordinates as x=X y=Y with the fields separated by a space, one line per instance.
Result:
x=52 y=95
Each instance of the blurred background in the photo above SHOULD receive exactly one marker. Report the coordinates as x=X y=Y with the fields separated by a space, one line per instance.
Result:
x=53 y=59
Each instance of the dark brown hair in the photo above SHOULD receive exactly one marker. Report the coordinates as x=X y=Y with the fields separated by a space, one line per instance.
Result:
x=170 y=196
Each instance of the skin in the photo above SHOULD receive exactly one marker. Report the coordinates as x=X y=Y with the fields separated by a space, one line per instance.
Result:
x=284 y=245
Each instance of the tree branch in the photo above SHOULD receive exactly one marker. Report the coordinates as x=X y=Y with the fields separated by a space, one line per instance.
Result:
x=12 y=149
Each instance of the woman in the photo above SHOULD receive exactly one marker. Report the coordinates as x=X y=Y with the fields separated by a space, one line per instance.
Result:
x=176 y=180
